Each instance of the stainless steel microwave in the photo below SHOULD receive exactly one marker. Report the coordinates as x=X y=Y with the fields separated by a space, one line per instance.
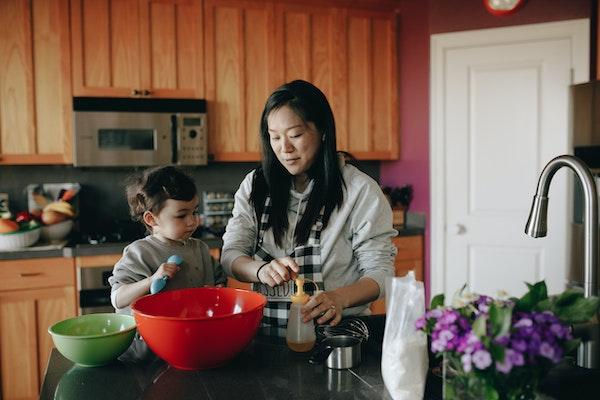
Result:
x=139 y=132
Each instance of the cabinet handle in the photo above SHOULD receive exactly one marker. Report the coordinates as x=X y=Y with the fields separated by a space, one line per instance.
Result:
x=136 y=92
x=147 y=92
x=29 y=274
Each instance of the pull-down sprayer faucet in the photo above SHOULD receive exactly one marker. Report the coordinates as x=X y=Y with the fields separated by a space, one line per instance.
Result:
x=587 y=355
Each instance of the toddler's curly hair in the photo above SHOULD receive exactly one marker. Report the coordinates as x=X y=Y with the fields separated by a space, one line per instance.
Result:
x=150 y=190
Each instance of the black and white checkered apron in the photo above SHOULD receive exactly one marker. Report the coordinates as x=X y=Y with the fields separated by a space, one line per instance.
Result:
x=308 y=258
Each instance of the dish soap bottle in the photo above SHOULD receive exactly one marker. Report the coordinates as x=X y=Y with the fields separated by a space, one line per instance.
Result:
x=300 y=336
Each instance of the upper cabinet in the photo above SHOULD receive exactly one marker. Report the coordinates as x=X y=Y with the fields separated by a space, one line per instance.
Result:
x=137 y=48
x=350 y=53
x=35 y=88
x=240 y=73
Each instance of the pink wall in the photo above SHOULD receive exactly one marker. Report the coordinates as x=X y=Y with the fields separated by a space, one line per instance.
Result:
x=419 y=19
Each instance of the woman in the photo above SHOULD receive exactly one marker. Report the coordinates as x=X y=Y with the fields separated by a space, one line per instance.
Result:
x=303 y=211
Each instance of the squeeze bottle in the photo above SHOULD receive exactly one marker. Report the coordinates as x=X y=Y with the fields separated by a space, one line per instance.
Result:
x=300 y=336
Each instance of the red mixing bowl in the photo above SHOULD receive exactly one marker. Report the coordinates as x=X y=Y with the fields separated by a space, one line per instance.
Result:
x=199 y=328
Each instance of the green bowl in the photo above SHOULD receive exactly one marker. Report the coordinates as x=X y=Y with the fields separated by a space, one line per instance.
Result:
x=94 y=339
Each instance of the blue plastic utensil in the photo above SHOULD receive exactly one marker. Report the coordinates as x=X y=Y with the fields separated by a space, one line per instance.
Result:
x=158 y=284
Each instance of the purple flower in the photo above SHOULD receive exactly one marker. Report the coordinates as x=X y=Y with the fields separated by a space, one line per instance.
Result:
x=559 y=331
x=420 y=323
x=482 y=359
x=516 y=358
x=437 y=346
x=547 y=350
x=504 y=366
x=519 y=345
x=524 y=322
x=466 y=362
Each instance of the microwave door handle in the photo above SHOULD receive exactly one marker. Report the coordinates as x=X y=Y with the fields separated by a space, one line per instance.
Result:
x=174 y=132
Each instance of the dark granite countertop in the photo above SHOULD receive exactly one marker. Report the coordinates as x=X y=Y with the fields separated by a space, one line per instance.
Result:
x=267 y=369
x=264 y=370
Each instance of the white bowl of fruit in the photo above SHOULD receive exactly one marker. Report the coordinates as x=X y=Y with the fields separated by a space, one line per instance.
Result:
x=15 y=235
x=57 y=221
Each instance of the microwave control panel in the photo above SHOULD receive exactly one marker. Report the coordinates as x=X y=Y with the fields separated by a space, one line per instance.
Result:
x=191 y=139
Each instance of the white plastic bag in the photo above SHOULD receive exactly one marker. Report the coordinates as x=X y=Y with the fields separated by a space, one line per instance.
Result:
x=404 y=359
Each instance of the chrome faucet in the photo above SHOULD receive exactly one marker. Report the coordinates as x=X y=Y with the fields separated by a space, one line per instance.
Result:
x=587 y=354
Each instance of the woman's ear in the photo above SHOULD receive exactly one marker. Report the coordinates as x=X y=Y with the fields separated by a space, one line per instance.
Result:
x=149 y=219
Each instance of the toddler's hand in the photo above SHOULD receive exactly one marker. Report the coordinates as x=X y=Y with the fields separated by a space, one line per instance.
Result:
x=166 y=269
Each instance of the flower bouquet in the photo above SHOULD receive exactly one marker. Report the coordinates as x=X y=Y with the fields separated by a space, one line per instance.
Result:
x=502 y=348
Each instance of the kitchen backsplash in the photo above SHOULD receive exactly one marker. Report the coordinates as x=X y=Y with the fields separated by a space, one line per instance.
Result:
x=102 y=196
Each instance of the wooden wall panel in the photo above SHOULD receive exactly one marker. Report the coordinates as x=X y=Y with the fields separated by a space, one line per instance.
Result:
x=124 y=34
x=258 y=82
x=339 y=91
x=381 y=78
x=53 y=305
x=320 y=51
x=96 y=42
x=189 y=57
x=52 y=77
x=18 y=363
x=228 y=104
x=297 y=46
x=359 y=73
x=163 y=46
x=17 y=127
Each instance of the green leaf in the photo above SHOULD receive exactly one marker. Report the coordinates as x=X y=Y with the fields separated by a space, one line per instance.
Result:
x=537 y=292
x=545 y=305
x=437 y=301
x=500 y=319
x=571 y=345
x=497 y=352
x=569 y=296
x=479 y=326
x=581 y=310
x=491 y=393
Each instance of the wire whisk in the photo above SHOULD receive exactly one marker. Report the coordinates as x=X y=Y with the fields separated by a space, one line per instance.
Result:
x=347 y=326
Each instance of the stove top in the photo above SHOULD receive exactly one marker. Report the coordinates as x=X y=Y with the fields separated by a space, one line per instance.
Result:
x=115 y=231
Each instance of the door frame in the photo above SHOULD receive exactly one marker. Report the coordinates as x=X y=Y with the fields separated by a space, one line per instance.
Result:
x=576 y=30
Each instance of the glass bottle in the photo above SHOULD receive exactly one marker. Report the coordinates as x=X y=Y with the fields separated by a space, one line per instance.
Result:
x=300 y=336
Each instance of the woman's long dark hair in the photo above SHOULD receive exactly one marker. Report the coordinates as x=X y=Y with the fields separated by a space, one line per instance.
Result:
x=272 y=179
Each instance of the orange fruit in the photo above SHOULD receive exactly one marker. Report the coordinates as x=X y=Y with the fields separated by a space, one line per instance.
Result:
x=7 y=226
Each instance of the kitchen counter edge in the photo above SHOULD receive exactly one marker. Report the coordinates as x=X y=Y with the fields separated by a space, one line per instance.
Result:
x=82 y=250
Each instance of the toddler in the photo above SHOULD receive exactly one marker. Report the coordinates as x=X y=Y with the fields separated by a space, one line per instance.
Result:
x=166 y=201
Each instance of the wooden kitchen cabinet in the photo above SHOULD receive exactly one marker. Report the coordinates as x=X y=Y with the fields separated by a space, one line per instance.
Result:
x=35 y=84
x=350 y=53
x=137 y=48
x=34 y=294
x=241 y=72
x=408 y=258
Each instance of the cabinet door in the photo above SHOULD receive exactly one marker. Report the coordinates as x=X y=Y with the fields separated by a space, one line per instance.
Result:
x=312 y=46
x=240 y=74
x=25 y=344
x=106 y=47
x=408 y=258
x=35 y=90
x=171 y=48
x=125 y=48
x=350 y=54
x=370 y=130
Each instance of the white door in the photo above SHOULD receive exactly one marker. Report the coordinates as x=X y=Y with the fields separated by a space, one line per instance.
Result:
x=499 y=113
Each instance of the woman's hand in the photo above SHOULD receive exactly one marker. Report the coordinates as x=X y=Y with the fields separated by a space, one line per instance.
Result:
x=278 y=271
x=168 y=269
x=327 y=305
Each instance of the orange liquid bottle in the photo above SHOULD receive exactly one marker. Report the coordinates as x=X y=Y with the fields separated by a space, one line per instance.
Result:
x=300 y=336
